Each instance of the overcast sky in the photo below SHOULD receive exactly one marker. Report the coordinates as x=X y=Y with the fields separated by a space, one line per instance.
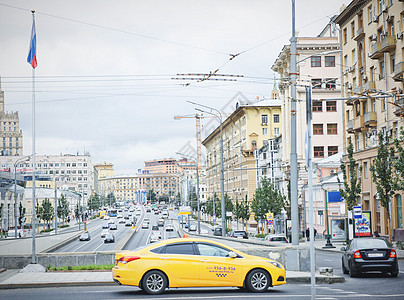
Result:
x=104 y=77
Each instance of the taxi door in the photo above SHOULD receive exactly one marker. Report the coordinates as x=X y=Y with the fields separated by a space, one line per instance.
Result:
x=216 y=268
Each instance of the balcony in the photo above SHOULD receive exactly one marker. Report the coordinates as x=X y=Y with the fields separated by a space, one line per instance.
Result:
x=365 y=88
x=375 y=51
x=370 y=119
x=398 y=72
x=357 y=124
x=350 y=126
x=398 y=108
x=388 y=43
x=359 y=34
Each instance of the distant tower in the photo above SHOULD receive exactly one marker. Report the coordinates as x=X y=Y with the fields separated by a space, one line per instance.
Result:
x=275 y=92
x=11 y=137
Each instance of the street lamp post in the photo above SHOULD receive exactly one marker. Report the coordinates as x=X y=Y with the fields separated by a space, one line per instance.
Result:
x=219 y=116
x=15 y=192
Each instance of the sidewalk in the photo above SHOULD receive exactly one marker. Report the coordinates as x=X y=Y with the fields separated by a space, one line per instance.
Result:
x=11 y=279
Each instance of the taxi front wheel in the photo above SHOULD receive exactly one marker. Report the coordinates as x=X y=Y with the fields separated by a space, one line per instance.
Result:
x=258 y=281
x=154 y=282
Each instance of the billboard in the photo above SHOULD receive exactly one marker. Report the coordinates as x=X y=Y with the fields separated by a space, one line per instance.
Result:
x=338 y=229
x=363 y=226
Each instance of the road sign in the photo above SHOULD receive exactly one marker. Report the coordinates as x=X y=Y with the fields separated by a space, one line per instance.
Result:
x=357 y=212
x=270 y=216
x=270 y=222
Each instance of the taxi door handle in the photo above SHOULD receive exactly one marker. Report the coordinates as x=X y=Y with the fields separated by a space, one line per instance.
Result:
x=204 y=260
x=164 y=258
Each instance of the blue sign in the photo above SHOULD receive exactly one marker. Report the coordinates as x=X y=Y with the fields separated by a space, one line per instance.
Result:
x=357 y=212
x=334 y=197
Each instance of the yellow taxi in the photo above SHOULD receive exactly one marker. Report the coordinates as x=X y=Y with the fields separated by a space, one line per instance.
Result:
x=194 y=262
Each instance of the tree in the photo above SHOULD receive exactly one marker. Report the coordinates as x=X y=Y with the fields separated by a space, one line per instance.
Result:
x=151 y=196
x=21 y=215
x=399 y=161
x=94 y=203
x=47 y=211
x=267 y=199
x=38 y=211
x=382 y=175
x=352 y=182
x=111 y=200
x=63 y=208
x=242 y=211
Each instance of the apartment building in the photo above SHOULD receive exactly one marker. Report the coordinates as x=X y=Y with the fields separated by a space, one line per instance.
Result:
x=247 y=129
x=373 y=55
x=319 y=66
x=127 y=187
x=169 y=165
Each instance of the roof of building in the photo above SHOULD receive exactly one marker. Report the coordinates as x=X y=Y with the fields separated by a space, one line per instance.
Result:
x=330 y=161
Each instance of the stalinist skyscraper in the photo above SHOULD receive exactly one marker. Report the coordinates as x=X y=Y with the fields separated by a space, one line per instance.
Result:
x=10 y=134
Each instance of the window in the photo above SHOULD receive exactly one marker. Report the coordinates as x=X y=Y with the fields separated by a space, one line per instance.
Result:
x=372 y=73
x=318 y=129
x=212 y=250
x=264 y=119
x=316 y=61
x=353 y=57
x=345 y=35
x=316 y=84
x=392 y=62
x=353 y=29
x=276 y=131
x=276 y=118
x=317 y=106
x=332 y=150
x=330 y=83
x=345 y=61
x=319 y=151
x=399 y=211
x=370 y=13
x=331 y=105
x=265 y=131
x=254 y=144
x=330 y=61
x=331 y=128
x=365 y=169
x=382 y=66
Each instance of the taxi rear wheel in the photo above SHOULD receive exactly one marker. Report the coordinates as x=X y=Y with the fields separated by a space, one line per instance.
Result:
x=154 y=282
x=258 y=281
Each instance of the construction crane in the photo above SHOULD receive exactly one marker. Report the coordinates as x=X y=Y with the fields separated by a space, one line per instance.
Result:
x=197 y=118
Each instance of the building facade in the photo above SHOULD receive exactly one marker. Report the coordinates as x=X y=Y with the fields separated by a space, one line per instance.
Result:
x=373 y=53
x=11 y=137
x=247 y=129
x=169 y=165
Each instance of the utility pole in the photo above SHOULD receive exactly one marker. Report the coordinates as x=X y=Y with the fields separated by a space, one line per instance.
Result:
x=293 y=154
x=56 y=208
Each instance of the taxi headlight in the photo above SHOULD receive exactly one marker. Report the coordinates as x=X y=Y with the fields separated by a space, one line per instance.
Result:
x=276 y=264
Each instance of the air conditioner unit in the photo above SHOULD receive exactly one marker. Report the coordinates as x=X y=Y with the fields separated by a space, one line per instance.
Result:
x=365 y=78
x=375 y=19
x=333 y=171
x=373 y=37
x=400 y=35
x=384 y=7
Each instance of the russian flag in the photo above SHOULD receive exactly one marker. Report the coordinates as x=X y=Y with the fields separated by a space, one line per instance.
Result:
x=31 y=59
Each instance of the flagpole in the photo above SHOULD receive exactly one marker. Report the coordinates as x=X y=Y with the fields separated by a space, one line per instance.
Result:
x=33 y=162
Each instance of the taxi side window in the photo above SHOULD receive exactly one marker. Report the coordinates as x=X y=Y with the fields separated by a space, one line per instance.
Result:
x=212 y=250
x=184 y=248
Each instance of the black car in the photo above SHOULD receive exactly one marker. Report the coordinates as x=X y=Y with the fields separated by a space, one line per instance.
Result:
x=85 y=236
x=239 y=234
x=109 y=238
x=217 y=231
x=369 y=254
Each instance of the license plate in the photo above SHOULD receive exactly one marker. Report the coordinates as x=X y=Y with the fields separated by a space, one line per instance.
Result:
x=375 y=254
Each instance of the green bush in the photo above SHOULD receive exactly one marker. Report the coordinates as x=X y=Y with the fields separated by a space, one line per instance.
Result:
x=400 y=245
x=81 y=268
x=260 y=235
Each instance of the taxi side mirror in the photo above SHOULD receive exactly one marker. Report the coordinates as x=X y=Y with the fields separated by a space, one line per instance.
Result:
x=232 y=254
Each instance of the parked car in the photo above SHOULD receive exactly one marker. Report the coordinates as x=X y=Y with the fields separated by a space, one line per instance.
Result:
x=369 y=254
x=240 y=234
x=217 y=231
x=113 y=227
x=109 y=238
x=85 y=236
x=145 y=268
x=276 y=238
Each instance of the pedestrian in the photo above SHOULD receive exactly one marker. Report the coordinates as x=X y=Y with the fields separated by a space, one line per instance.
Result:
x=315 y=233
x=376 y=234
x=308 y=234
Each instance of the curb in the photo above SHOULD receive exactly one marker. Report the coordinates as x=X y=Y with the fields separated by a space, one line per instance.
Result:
x=54 y=284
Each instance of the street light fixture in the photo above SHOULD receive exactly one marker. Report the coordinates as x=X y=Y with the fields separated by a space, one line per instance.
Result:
x=218 y=114
x=15 y=192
